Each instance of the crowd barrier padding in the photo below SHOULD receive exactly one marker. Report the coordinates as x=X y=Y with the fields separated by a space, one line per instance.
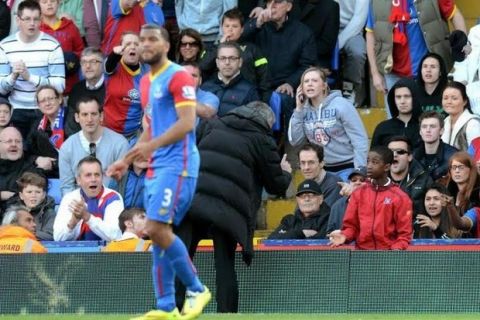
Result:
x=306 y=279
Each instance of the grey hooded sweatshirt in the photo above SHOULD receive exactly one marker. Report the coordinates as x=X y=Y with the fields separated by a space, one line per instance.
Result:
x=336 y=125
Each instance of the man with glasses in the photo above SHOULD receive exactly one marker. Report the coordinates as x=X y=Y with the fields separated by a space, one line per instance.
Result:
x=91 y=64
x=13 y=163
x=29 y=59
x=408 y=173
x=310 y=218
x=229 y=85
x=92 y=140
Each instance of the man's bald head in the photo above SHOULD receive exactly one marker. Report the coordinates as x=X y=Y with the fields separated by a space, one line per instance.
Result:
x=11 y=144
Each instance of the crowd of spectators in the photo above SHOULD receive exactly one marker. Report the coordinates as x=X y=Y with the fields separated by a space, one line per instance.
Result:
x=70 y=106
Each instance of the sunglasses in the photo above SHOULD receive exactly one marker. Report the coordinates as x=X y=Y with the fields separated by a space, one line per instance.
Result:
x=188 y=44
x=400 y=152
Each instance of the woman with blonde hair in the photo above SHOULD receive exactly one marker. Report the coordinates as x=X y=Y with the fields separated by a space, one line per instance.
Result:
x=325 y=118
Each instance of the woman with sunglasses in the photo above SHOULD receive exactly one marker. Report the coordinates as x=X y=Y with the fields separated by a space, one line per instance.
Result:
x=189 y=47
x=461 y=125
x=48 y=133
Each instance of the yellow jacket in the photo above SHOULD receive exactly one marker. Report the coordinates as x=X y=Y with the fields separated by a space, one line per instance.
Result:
x=128 y=245
x=14 y=239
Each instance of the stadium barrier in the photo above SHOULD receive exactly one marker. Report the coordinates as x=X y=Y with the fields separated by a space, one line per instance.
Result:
x=285 y=277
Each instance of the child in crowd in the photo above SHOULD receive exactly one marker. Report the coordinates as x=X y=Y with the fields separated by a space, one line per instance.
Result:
x=33 y=195
x=5 y=113
x=379 y=213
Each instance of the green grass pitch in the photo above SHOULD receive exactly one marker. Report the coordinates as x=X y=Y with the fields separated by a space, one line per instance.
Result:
x=270 y=316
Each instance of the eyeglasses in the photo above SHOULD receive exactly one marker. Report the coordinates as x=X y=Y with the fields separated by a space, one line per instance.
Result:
x=400 y=152
x=48 y=99
x=11 y=141
x=189 y=44
x=28 y=20
x=93 y=149
x=460 y=167
x=89 y=62
x=225 y=59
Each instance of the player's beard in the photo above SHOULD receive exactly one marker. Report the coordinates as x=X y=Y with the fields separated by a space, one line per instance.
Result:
x=154 y=59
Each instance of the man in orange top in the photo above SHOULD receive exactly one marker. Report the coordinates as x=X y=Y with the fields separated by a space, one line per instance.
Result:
x=17 y=233
x=132 y=223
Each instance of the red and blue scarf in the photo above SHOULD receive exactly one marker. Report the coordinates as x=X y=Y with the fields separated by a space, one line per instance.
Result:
x=58 y=135
x=399 y=16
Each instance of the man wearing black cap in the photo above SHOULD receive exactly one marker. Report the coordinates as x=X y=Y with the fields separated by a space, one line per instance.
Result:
x=309 y=221
x=356 y=179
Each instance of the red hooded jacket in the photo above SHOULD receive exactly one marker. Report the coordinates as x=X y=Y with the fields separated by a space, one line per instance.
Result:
x=379 y=218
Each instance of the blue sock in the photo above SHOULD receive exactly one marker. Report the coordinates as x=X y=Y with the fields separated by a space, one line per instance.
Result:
x=178 y=255
x=163 y=280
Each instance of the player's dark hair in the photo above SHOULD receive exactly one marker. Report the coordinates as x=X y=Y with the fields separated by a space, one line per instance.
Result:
x=163 y=31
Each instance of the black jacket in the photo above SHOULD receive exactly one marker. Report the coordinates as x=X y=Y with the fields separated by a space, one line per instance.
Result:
x=38 y=144
x=396 y=127
x=432 y=102
x=10 y=171
x=439 y=165
x=415 y=185
x=239 y=158
x=290 y=50
x=323 y=18
x=236 y=93
x=292 y=225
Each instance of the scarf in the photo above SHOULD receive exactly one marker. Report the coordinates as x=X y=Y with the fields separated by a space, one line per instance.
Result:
x=58 y=135
x=96 y=206
x=95 y=210
x=399 y=16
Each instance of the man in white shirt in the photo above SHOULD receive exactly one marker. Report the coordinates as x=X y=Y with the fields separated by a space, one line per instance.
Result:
x=90 y=212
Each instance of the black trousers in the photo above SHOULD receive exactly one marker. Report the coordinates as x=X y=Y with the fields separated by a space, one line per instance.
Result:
x=191 y=232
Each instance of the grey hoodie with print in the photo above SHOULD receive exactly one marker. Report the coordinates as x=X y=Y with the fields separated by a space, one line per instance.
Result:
x=335 y=125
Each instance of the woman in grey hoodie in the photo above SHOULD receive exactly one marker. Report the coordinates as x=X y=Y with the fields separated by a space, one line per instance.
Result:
x=325 y=118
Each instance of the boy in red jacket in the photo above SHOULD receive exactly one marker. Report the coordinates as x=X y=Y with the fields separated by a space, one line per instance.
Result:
x=379 y=214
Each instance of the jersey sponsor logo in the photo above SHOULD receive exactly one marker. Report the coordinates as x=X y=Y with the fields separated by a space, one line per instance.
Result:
x=188 y=92
x=134 y=94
